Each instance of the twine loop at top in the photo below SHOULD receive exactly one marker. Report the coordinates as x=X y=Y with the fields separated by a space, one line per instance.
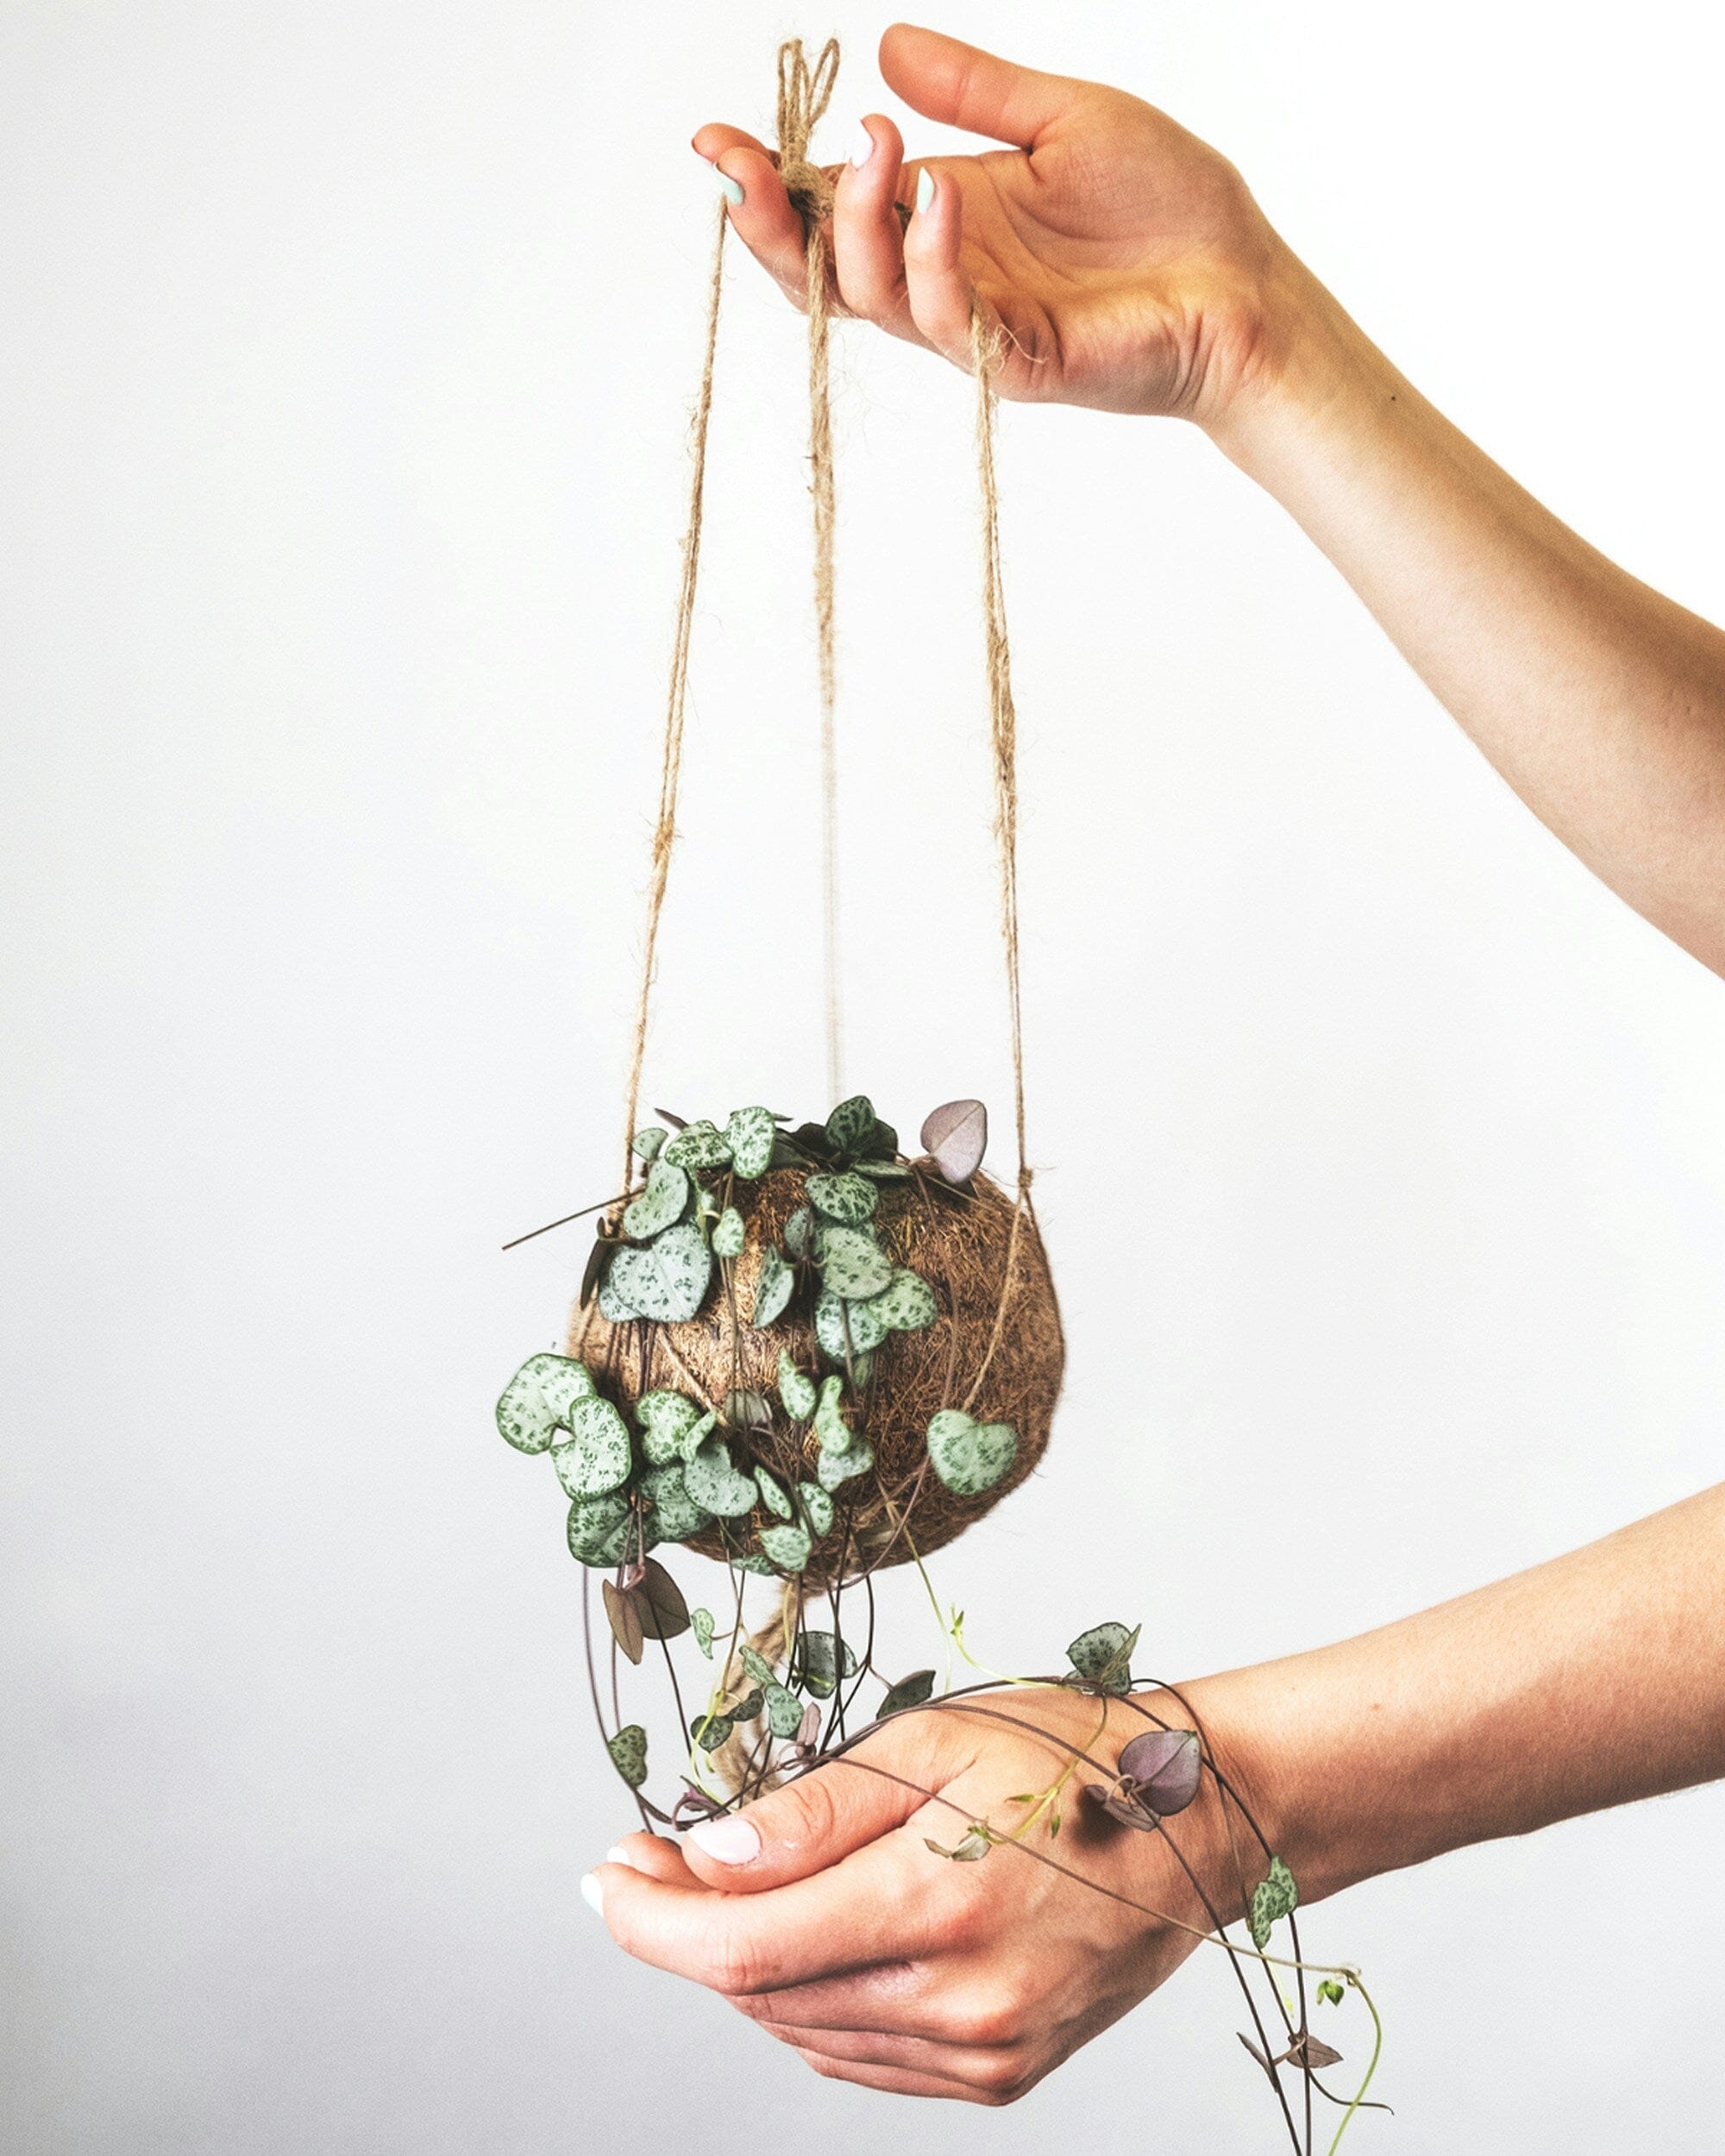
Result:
x=805 y=92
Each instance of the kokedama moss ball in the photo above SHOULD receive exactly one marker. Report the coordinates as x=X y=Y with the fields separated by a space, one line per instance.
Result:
x=963 y=1243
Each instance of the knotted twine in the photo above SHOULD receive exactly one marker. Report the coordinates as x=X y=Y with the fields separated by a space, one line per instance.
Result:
x=804 y=96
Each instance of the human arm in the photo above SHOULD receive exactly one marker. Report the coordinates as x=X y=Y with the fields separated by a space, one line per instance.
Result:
x=1132 y=270
x=1593 y=1680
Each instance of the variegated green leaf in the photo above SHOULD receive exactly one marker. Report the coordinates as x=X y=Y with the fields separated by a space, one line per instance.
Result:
x=820 y=1660
x=663 y=1201
x=798 y=1228
x=794 y=1390
x=816 y=1507
x=701 y=1624
x=597 y=1458
x=850 y=1123
x=645 y=1144
x=614 y=1306
x=772 y=1496
x=540 y=1398
x=1103 y=1656
x=1272 y=1899
x=970 y=1456
x=714 y=1484
x=666 y=1418
x=674 y=1512
x=755 y=1664
x=842 y=1326
x=848 y=1199
x=784 y=1709
x=852 y=1264
x=906 y=1303
x=834 y=1468
x=667 y=1281
x=696 y=1145
x=603 y=1530
x=628 y=1750
x=834 y=1432
x=788 y=1547
x=749 y=1133
x=773 y=1289
x=728 y=1236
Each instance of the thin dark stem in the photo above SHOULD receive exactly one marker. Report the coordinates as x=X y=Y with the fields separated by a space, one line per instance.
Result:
x=565 y=1221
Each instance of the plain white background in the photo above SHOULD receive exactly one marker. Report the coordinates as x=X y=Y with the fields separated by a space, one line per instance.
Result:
x=345 y=352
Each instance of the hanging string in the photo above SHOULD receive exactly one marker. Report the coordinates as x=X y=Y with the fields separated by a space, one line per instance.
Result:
x=804 y=96
x=671 y=759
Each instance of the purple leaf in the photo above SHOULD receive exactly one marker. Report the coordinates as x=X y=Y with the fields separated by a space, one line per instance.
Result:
x=956 y=1135
x=624 y=1618
x=1257 y=2054
x=808 y=1732
x=1312 y=2052
x=1164 y=1767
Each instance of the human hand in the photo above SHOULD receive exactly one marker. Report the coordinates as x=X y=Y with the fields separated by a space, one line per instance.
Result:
x=821 y=1914
x=1126 y=260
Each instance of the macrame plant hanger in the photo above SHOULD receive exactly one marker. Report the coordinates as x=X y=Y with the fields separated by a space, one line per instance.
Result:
x=804 y=93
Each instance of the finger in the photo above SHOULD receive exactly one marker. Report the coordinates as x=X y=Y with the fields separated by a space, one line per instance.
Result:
x=940 y=300
x=965 y=87
x=874 y=1908
x=997 y=2073
x=765 y=220
x=657 y=1856
x=868 y=233
x=895 y=2080
x=824 y=1816
x=901 y=1998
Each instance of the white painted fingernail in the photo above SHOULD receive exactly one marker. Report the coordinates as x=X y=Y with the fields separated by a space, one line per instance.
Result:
x=730 y=1841
x=925 y=188
x=864 y=148
x=594 y=1894
x=620 y=1855
x=732 y=188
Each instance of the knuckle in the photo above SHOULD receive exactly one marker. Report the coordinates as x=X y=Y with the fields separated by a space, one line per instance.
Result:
x=732 y=1964
x=992 y=2017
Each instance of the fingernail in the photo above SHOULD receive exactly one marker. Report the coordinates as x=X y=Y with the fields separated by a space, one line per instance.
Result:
x=594 y=1894
x=925 y=188
x=726 y=1840
x=620 y=1855
x=733 y=189
x=864 y=147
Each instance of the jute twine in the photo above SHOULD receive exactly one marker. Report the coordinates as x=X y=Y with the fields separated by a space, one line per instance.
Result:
x=988 y=1262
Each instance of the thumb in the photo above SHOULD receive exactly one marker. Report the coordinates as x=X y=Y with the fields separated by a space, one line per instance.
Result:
x=965 y=87
x=838 y=1807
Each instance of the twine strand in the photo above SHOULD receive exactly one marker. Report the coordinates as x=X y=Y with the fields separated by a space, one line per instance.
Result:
x=676 y=699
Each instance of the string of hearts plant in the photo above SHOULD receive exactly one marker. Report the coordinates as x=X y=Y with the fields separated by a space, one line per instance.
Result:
x=801 y=1354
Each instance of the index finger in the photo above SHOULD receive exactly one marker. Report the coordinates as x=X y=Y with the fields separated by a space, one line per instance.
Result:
x=766 y=220
x=875 y=1906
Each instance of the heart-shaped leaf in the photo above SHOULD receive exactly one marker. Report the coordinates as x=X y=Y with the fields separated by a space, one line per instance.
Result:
x=772 y=1496
x=1102 y=1657
x=710 y=1730
x=697 y=1145
x=661 y=1201
x=773 y=1288
x=1272 y=1899
x=701 y=1624
x=645 y=1144
x=834 y=1432
x=749 y=1133
x=846 y=1329
x=784 y=1711
x=675 y=1513
x=794 y=1390
x=881 y=1143
x=755 y=1664
x=628 y=1750
x=664 y=1613
x=539 y=1399
x=666 y=1418
x=788 y=1547
x=602 y=1531
x=906 y=1303
x=970 y=1456
x=816 y=1507
x=748 y=1708
x=909 y=1691
x=833 y=1468
x=819 y=1660
x=848 y=1199
x=668 y=1280
x=799 y=1227
x=955 y=1136
x=1164 y=1768
x=852 y=1264
x=850 y=1123
x=729 y=1234
x=614 y=1306
x=597 y=1458
x=715 y=1484
x=624 y=1618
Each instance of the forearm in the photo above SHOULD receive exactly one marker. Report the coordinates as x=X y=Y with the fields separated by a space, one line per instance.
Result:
x=1602 y=702
x=1590 y=1681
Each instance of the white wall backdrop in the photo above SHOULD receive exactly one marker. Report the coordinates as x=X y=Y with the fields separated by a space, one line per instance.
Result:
x=345 y=352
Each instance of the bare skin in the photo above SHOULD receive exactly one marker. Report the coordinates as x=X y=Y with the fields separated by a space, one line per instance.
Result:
x=1132 y=272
